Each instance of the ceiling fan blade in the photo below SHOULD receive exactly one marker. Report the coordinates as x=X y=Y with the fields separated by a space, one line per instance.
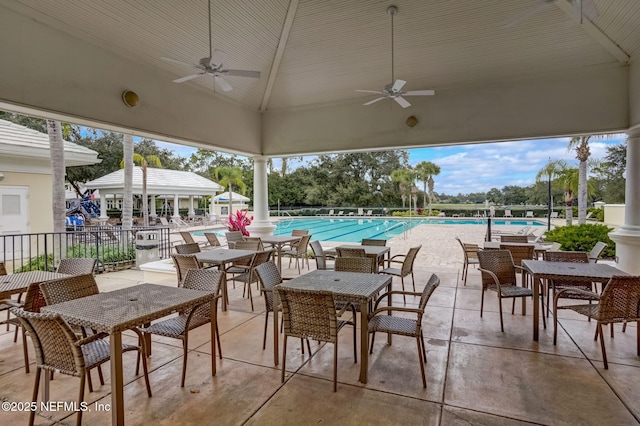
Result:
x=188 y=77
x=222 y=83
x=419 y=93
x=398 y=85
x=242 y=73
x=402 y=101
x=217 y=58
x=374 y=101
x=370 y=91
x=178 y=62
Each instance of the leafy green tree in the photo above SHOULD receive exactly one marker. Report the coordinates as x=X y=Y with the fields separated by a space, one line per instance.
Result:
x=610 y=174
x=552 y=171
x=569 y=177
x=495 y=196
x=404 y=179
x=514 y=195
x=425 y=171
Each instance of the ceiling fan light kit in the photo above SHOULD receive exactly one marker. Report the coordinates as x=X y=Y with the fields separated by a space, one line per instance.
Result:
x=394 y=90
x=213 y=65
x=130 y=98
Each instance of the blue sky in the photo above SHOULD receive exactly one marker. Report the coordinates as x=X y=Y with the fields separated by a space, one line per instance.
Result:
x=480 y=167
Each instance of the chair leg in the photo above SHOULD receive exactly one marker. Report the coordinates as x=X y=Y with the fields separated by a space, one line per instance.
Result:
x=501 y=321
x=465 y=272
x=250 y=295
x=513 y=306
x=373 y=339
x=555 y=320
x=185 y=349
x=264 y=338
x=604 y=351
x=81 y=397
x=355 y=340
x=218 y=340
x=424 y=380
x=284 y=357
x=309 y=347
x=25 y=352
x=89 y=382
x=404 y=297
x=335 y=366
x=100 y=375
x=413 y=282
x=34 y=398
x=424 y=350
x=481 y=302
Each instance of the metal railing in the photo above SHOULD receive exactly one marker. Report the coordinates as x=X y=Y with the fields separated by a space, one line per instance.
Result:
x=113 y=247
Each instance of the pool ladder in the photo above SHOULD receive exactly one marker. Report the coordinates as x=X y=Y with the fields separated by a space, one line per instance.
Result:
x=397 y=225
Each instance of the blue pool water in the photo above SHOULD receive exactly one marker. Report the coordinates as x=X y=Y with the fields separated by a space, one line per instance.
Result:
x=354 y=230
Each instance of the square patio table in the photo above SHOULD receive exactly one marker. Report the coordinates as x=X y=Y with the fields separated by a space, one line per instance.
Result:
x=346 y=286
x=278 y=241
x=537 y=247
x=116 y=311
x=220 y=257
x=20 y=281
x=374 y=252
x=567 y=271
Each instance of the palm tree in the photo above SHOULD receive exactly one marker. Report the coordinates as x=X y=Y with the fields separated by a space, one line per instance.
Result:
x=425 y=171
x=570 y=181
x=230 y=177
x=56 y=145
x=581 y=145
x=551 y=171
x=404 y=178
x=144 y=162
x=127 y=197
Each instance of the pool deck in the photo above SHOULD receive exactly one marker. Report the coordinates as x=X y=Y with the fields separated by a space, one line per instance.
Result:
x=475 y=373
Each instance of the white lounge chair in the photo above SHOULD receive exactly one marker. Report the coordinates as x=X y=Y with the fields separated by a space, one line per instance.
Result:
x=507 y=213
x=529 y=214
x=369 y=213
x=341 y=213
x=442 y=214
x=330 y=213
x=554 y=215
x=360 y=211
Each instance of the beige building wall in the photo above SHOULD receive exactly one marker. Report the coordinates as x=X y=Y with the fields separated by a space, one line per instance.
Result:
x=40 y=203
x=614 y=214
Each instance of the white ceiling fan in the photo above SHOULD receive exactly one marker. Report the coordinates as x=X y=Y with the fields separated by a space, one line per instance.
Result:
x=581 y=9
x=394 y=89
x=213 y=65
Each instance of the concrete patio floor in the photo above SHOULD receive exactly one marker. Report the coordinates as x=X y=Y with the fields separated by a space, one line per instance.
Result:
x=475 y=373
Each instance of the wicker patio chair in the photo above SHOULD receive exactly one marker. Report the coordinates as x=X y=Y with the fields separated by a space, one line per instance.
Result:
x=470 y=252
x=406 y=267
x=299 y=252
x=33 y=301
x=373 y=242
x=58 y=349
x=190 y=248
x=188 y=239
x=254 y=240
x=596 y=251
x=6 y=305
x=554 y=286
x=310 y=314
x=184 y=262
x=241 y=266
x=295 y=233
x=77 y=266
x=212 y=239
x=354 y=264
x=499 y=274
x=233 y=237
x=269 y=277
x=249 y=277
x=514 y=238
x=178 y=327
x=618 y=303
x=520 y=253
x=319 y=255
x=350 y=252
x=381 y=320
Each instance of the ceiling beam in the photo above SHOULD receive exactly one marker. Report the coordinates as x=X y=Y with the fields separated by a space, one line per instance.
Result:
x=594 y=32
x=284 y=37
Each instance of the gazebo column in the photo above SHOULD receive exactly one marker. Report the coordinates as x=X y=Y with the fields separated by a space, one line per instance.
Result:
x=627 y=237
x=152 y=203
x=103 y=209
x=261 y=225
x=191 y=211
x=176 y=207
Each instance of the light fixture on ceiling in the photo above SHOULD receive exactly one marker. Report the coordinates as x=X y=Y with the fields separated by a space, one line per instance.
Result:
x=130 y=99
x=411 y=121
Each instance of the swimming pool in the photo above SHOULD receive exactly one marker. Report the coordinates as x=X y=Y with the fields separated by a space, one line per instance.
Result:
x=354 y=230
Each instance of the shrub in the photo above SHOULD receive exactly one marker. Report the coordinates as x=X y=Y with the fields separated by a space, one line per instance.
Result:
x=597 y=214
x=583 y=238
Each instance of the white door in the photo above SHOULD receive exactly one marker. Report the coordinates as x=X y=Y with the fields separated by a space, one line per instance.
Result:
x=14 y=218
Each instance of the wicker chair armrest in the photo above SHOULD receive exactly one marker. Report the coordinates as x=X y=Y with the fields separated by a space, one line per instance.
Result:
x=521 y=269
x=394 y=308
x=495 y=278
x=391 y=293
x=591 y=294
x=88 y=339
x=12 y=303
x=195 y=308
x=348 y=305
x=397 y=255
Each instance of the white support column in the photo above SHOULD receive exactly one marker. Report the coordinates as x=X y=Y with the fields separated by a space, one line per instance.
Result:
x=103 y=209
x=176 y=206
x=261 y=225
x=191 y=211
x=627 y=237
x=152 y=206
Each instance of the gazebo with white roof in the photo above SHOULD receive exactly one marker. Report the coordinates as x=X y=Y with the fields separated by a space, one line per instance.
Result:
x=234 y=199
x=159 y=182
